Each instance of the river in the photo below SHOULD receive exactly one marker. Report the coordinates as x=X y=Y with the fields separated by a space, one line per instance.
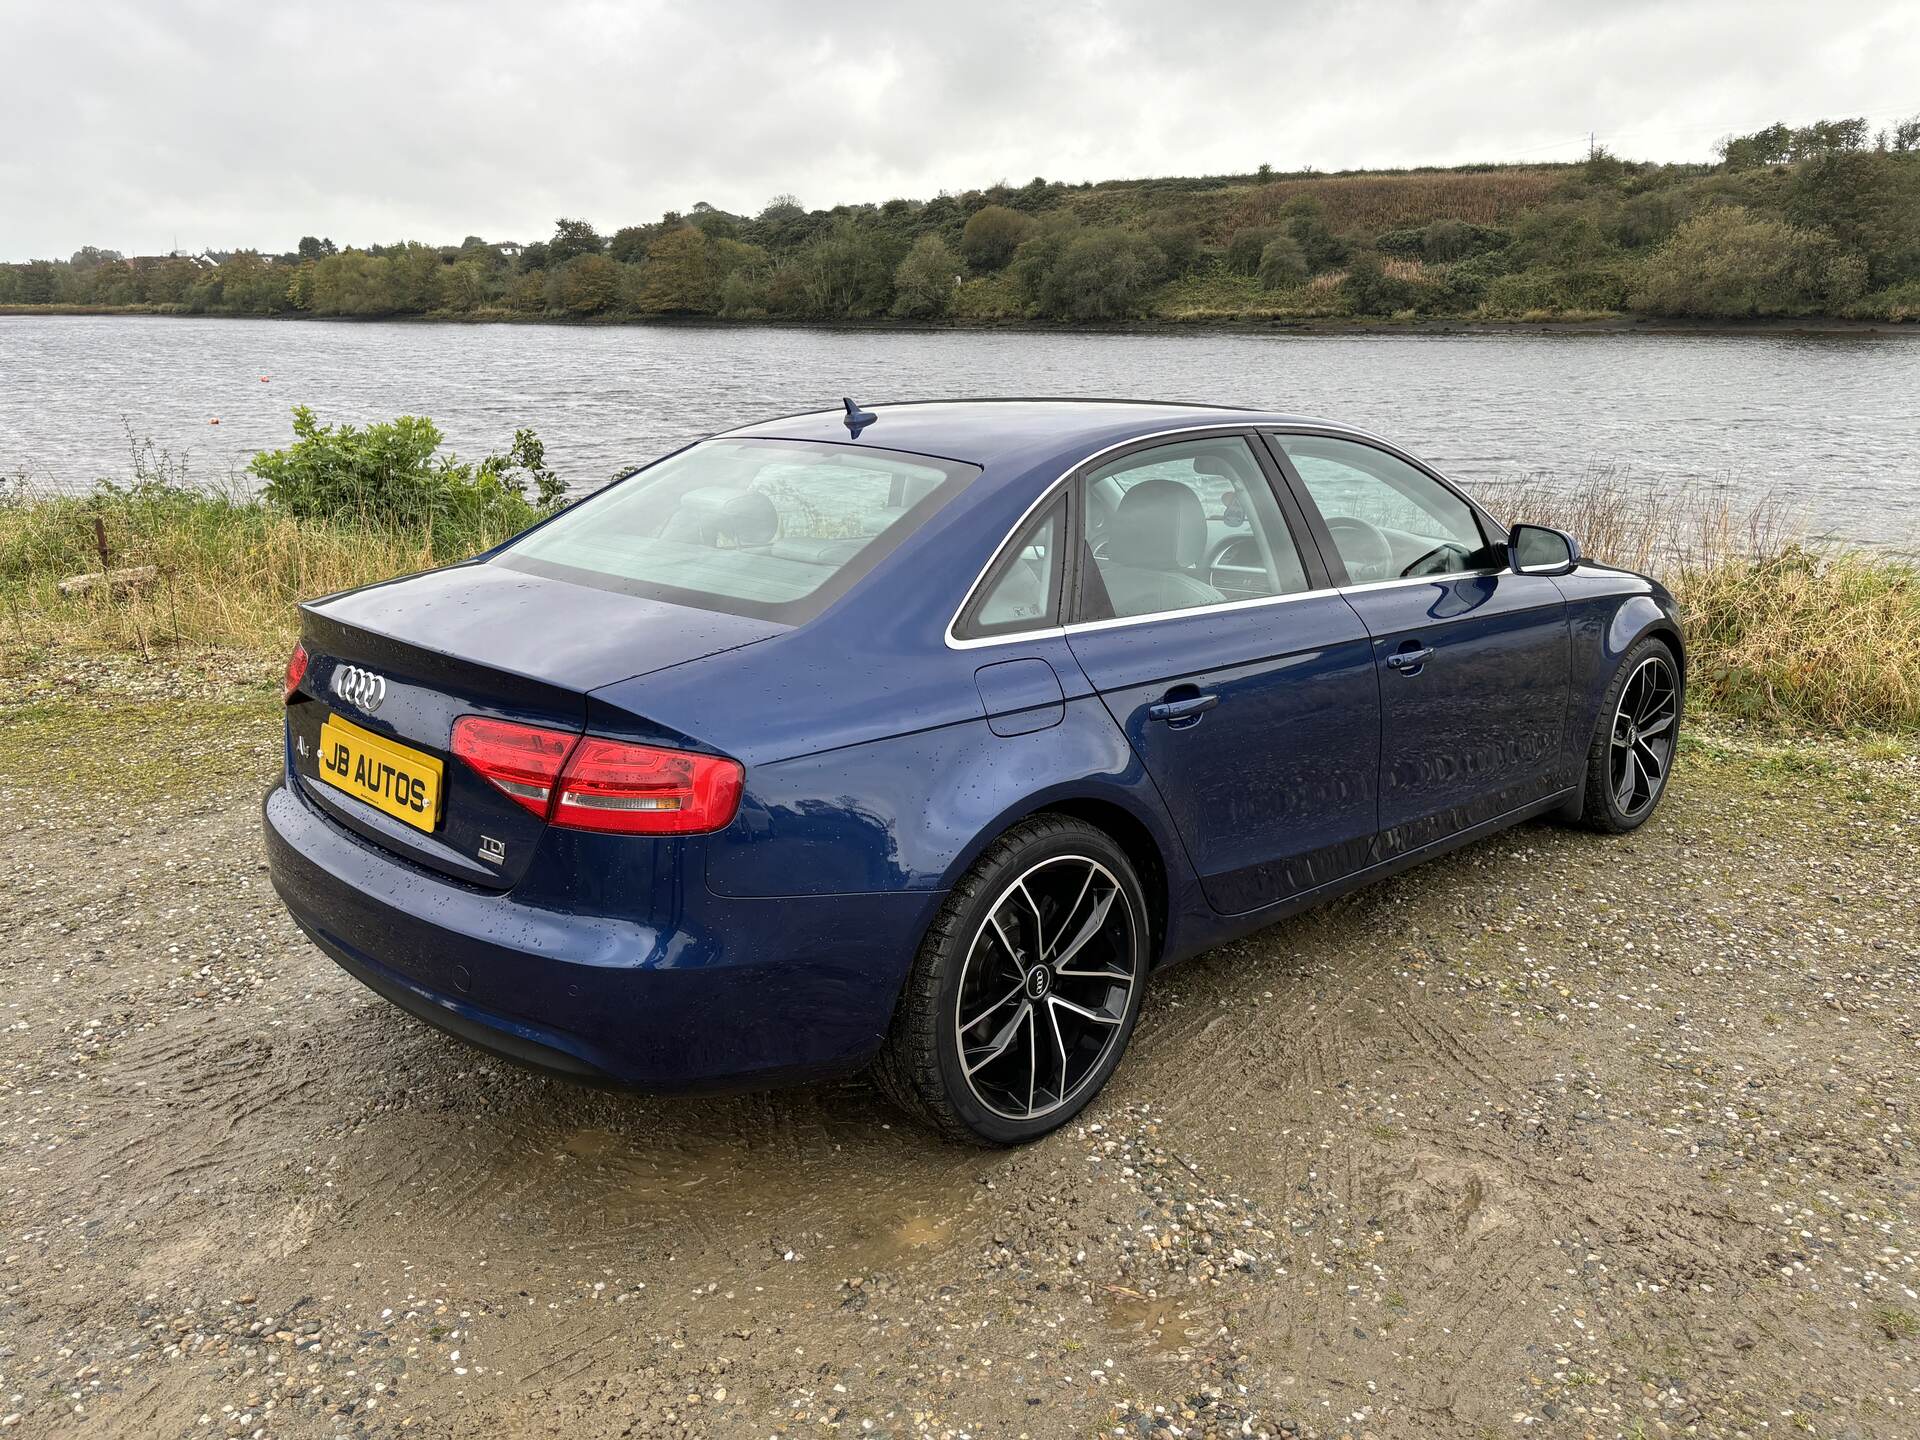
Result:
x=1831 y=422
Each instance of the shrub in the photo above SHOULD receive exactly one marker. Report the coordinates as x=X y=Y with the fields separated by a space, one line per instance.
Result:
x=1729 y=263
x=1282 y=264
x=923 y=285
x=1097 y=275
x=848 y=271
x=1247 y=246
x=1180 y=245
x=588 y=284
x=1544 y=290
x=1896 y=303
x=678 y=277
x=742 y=295
x=1380 y=287
x=389 y=476
x=992 y=234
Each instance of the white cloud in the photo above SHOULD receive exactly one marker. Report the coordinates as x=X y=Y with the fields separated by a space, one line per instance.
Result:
x=132 y=124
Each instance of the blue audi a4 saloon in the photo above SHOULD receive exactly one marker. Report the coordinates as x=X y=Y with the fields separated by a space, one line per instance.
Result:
x=916 y=739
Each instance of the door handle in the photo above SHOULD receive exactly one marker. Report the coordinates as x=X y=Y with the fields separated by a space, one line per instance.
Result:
x=1184 y=711
x=1409 y=661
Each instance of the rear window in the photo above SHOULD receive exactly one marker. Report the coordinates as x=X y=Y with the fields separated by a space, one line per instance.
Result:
x=776 y=529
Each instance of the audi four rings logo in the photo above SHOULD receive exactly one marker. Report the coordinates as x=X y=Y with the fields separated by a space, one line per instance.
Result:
x=359 y=687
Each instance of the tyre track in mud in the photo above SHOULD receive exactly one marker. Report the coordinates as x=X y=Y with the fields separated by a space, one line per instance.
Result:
x=1572 y=1144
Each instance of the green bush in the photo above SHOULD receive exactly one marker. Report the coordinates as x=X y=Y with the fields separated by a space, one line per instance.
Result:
x=1896 y=302
x=389 y=476
x=1282 y=264
x=1247 y=246
x=992 y=234
x=924 y=283
x=1728 y=263
x=1093 y=274
x=1372 y=289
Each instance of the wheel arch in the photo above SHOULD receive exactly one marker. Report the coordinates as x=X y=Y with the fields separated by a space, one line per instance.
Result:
x=1143 y=839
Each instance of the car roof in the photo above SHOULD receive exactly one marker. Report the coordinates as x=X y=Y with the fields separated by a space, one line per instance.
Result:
x=983 y=432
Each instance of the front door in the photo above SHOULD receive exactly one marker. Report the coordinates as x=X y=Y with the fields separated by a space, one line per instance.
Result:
x=1472 y=658
x=1245 y=686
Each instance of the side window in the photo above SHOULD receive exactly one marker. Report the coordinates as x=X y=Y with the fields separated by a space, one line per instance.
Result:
x=1180 y=527
x=1024 y=591
x=1388 y=519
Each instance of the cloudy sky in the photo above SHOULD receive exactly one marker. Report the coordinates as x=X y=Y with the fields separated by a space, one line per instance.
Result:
x=131 y=125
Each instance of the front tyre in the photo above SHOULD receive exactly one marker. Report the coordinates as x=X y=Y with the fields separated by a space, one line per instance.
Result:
x=1634 y=741
x=1025 y=990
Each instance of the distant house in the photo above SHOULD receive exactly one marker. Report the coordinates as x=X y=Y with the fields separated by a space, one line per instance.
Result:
x=206 y=260
x=508 y=249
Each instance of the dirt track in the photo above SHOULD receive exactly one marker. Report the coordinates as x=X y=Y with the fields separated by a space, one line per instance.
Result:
x=1556 y=1136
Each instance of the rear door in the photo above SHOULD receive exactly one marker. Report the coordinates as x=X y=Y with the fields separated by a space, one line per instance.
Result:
x=1203 y=618
x=1472 y=658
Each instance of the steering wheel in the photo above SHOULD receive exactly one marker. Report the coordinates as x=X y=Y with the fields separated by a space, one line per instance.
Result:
x=1438 y=561
x=1365 y=550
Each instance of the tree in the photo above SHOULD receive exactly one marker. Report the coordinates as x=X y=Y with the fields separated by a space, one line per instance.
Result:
x=461 y=287
x=1303 y=219
x=1282 y=264
x=573 y=238
x=848 y=271
x=992 y=234
x=1728 y=262
x=679 y=275
x=313 y=248
x=1247 y=246
x=89 y=256
x=923 y=285
x=1859 y=199
x=1100 y=275
x=1371 y=288
x=590 y=284
x=629 y=243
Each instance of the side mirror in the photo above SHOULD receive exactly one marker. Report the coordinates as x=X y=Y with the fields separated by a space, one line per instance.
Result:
x=1538 y=550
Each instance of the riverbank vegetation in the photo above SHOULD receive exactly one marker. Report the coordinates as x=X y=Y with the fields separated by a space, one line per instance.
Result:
x=1821 y=220
x=1819 y=637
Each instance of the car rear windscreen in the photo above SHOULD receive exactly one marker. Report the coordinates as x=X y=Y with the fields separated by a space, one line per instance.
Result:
x=776 y=529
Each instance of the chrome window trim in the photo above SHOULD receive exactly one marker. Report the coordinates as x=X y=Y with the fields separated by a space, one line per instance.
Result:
x=1332 y=431
x=954 y=642
x=1120 y=621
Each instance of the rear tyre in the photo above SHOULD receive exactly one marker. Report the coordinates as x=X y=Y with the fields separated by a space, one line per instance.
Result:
x=1026 y=988
x=1634 y=740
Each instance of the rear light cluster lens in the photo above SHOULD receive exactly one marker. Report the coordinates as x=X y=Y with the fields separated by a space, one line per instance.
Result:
x=523 y=760
x=592 y=783
x=296 y=672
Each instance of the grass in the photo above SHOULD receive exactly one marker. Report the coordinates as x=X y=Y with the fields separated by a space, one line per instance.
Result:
x=229 y=570
x=1809 y=637
x=1894 y=1323
x=1816 y=635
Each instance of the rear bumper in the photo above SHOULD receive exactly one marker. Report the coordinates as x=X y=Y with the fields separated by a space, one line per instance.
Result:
x=735 y=993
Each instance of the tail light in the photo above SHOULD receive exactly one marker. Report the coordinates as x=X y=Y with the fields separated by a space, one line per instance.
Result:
x=522 y=760
x=296 y=672
x=645 y=790
x=592 y=783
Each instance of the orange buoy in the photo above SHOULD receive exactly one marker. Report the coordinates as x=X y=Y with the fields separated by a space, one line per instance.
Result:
x=214 y=421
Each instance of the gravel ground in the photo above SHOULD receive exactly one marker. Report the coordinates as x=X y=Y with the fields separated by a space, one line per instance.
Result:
x=1556 y=1136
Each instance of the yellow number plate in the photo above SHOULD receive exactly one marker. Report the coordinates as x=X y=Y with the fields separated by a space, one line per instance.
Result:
x=386 y=775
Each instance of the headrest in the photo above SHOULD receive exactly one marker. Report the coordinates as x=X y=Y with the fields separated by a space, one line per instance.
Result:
x=712 y=512
x=1159 y=526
